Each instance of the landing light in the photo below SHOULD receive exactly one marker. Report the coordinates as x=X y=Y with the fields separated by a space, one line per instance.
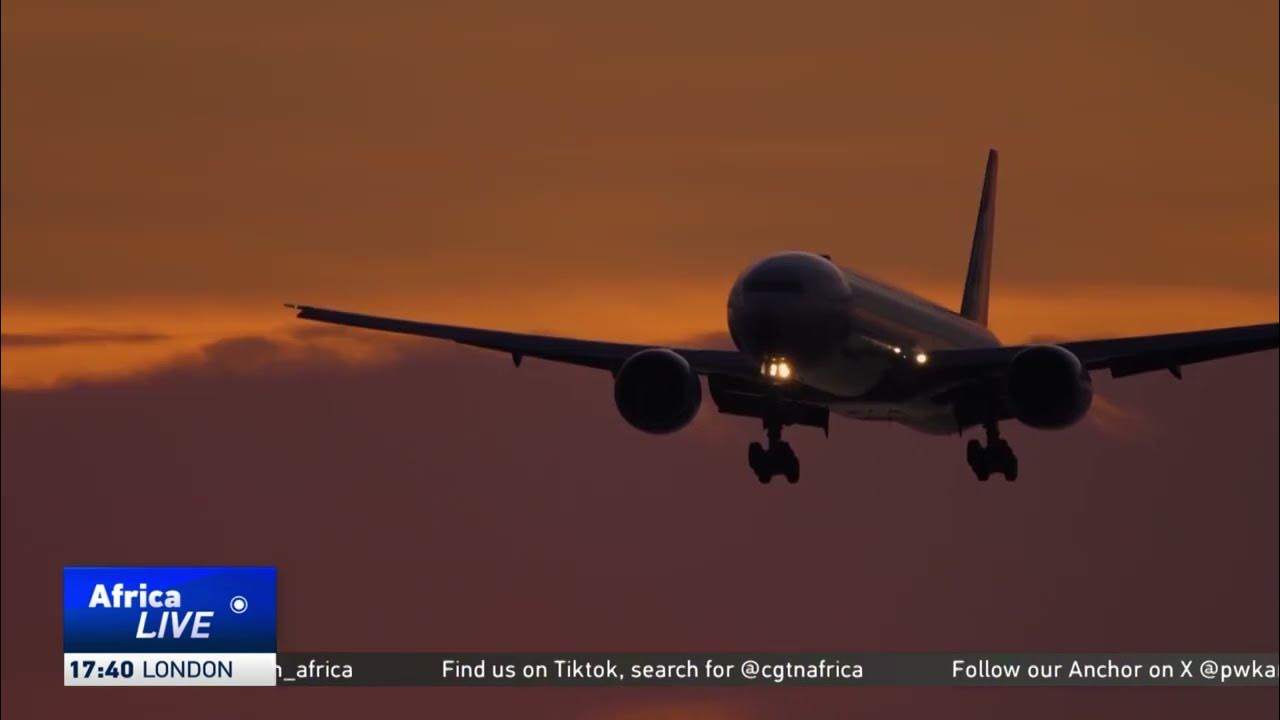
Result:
x=921 y=358
x=776 y=369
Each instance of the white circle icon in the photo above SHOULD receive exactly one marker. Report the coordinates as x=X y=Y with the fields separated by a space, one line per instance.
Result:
x=239 y=604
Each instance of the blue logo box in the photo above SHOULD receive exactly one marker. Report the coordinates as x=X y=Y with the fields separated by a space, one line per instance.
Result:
x=169 y=609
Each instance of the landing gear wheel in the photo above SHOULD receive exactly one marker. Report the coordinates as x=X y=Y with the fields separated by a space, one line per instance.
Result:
x=977 y=456
x=1011 y=469
x=786 y=462
x=995 y=458
x=775 y=458
x=1003 y=460
x=758 y=461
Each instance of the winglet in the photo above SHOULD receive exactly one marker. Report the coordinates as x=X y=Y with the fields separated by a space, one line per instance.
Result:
x=977 y=283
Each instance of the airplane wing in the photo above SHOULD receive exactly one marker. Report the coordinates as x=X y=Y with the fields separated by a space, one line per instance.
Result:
x=588 y=353
x=1121 y=356
x=970 y=380
x=1131 y=355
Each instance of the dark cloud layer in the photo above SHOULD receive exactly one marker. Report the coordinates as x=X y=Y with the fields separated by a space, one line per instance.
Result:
x=76 y=337
x=451 y=501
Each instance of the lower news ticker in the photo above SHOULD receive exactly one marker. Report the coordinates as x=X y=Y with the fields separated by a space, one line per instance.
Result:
x=778 y=669
x=216 y=626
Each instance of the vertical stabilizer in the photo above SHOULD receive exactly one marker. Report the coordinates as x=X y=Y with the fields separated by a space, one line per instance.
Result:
x=977 y=283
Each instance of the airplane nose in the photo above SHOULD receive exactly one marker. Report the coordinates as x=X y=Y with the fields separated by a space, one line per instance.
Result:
x=793 y=305
x=802 y=334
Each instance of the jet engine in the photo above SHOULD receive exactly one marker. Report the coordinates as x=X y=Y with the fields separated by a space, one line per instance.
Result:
x=1048 y=387
x=656 y=391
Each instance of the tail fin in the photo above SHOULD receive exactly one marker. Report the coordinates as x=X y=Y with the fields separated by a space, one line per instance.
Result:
x=978 y=281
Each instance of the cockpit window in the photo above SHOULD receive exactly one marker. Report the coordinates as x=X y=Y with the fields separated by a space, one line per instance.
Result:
x=788 y=287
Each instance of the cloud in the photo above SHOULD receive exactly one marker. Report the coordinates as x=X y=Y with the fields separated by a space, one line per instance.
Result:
x=291 y=351
x=77 y=337
x=718 y=340
x=688 y=312
x=1046 y=339
x=113 y=357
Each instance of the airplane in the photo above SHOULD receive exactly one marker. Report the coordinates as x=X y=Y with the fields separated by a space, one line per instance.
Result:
x=814 y=339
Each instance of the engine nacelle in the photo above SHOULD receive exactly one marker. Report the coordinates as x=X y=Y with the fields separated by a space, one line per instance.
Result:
x=656 y=391
x=1048 y=387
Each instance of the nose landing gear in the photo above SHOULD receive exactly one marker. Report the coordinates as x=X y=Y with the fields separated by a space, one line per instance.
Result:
x=776 y=459
x=995 y=458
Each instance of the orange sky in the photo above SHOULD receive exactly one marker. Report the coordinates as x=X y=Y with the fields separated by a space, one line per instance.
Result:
x=178 y=171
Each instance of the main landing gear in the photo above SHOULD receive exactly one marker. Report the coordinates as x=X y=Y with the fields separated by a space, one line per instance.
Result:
x=995 y=458
x=777 y=459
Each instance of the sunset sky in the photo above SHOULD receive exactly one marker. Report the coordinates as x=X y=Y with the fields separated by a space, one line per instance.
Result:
x=174 y=171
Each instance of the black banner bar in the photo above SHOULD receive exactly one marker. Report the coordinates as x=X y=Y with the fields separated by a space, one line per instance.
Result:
x=777 y=669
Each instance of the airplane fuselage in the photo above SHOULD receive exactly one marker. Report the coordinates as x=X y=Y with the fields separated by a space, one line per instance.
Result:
x=847 y=335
